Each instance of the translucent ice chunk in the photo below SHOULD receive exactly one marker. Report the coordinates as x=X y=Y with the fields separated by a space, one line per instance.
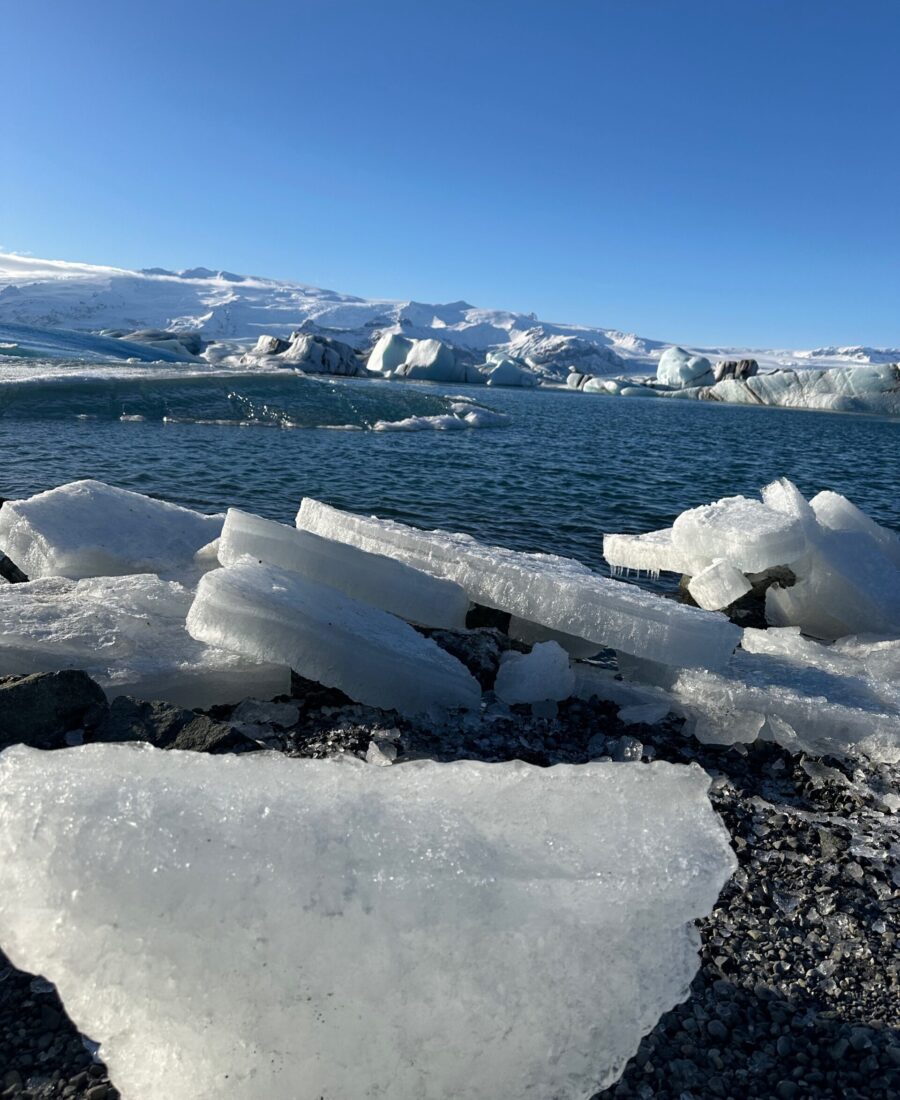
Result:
x=836 y=513
x=718 y=586
x=750 y=535
x=544 y=673
x=89 y=529
x=232 y=928
x=129 y=634
x=370 y=578
x=555 y=592
x=270 y=614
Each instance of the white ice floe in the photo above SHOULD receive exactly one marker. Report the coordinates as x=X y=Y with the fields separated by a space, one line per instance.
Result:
x=370 y=578
x=421 y=360
x=718 y=585
x=247 y=927
x=555 y=592
x=129 y=634
x=269 y=614
x=544 y=673
x=90 y=529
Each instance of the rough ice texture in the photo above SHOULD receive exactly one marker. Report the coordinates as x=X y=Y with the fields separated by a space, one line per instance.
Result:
x=679 y=368
x=422 y=360
x=555 y=592
x=237 y=927
x=90 y=529
x=507 y=372
x=544 y=673
x=270 y=614
x=129 y=634
x=653 y=552
x=746 y=533
x=806 y=707
x=867 y=389
x=371 y=578
x=718 y=585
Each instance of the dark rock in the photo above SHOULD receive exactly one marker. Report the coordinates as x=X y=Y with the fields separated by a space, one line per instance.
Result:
x=480 y=616
x=39 y=709
x=168 y=727
x=479 y=650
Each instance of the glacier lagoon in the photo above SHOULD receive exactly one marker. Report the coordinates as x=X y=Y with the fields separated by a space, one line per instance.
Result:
x=553 y=473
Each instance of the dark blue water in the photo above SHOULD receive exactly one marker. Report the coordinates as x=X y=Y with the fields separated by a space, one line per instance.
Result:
x=567 y=468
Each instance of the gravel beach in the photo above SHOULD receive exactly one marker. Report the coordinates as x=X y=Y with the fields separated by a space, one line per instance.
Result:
x=798 y=994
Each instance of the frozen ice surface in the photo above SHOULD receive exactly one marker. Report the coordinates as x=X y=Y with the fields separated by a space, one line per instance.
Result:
x=544 y=673
x=260 y=927
x=129 y=634
x=89 y=529
x=389 y=353
x=270 y=614
x=524 y=631
x=653 y=552
x=370 y=578
x=747 y=533
x=555 y=592
x=679 y=368
x=718 y=585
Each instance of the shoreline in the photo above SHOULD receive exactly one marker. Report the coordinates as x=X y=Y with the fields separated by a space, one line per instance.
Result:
x=798 y=994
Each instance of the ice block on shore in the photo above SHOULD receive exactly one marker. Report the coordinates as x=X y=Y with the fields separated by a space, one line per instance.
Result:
x=555 y=592
x=90 y=529
x=371 y=578
x=236 y=928
x=271 y=614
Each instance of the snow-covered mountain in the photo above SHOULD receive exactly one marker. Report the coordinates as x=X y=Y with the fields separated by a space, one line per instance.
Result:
x=233 y=309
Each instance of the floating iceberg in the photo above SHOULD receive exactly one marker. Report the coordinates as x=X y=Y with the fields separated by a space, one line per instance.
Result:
x=269 y=614
x=555 y=592
x=128 y=633
x=507 y=372
x=865 y=389
x=371 y=578
x=544 y=673
x=89 y=529
x=236 y=927
x=420 y=360
x=679 y=368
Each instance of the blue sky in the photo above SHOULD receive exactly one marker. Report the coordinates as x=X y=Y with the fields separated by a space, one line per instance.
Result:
x=717 y=172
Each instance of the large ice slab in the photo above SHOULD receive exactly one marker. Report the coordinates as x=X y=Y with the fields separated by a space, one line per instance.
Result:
x=232 y=928
x=370 y=578
x=835 y=513
x=90 y=529
x=128 y=633
x=270 y=614
x=555 y=592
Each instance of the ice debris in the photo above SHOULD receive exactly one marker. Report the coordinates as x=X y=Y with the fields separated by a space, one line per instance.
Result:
x=269 y=614
x=90 y=529
x=847 y=579
x=544 y=673
x=129 y=634
x=371 y=578
x=237 y=927
x=555 y=592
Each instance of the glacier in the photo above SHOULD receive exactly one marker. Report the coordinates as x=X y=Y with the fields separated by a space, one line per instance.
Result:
x=231 y=926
